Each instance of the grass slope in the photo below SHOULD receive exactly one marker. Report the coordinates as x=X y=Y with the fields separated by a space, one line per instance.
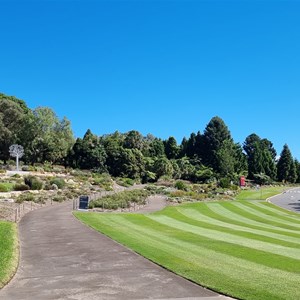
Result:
x=260 y=194
x=9 y=251
x=249 y=250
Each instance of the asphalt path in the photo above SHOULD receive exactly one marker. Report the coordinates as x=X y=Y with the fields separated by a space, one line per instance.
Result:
x=63 y=259
x=289 y=200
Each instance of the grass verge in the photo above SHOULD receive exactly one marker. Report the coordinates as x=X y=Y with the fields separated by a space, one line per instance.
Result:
x=260 y=193
x=243 y=249
x=9 y=249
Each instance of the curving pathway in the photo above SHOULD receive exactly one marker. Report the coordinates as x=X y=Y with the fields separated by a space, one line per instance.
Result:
x=289 y=200
x=62 y=259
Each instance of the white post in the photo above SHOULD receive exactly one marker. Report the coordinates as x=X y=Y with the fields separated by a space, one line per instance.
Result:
x=17 y=161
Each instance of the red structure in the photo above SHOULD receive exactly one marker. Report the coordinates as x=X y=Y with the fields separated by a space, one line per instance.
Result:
x=242 y=181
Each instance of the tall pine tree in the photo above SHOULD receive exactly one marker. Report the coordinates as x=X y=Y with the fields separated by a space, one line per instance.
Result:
x=286 y=171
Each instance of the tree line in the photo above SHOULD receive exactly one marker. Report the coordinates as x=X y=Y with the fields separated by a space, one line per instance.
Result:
x=202 y=157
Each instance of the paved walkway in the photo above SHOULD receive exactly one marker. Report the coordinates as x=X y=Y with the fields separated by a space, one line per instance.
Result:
x=289 y=200
x=62 y=259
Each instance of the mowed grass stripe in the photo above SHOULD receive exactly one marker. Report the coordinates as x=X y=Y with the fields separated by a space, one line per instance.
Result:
x=151 y=231
x=229 y=237
x=267 y=218
x=224 y=212
x=175 y=214
x=276 y=208
x=237 y=277
x=263 y=220
x=281 y=216
x=210 y=218
x=238 y=251
x=271 y=208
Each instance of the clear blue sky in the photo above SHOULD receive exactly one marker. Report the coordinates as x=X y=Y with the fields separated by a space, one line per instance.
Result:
x=160 y=67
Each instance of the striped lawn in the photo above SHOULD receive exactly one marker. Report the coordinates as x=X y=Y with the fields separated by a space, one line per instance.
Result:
x=248 y=250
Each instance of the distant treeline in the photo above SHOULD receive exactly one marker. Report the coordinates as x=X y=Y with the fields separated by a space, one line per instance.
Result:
x=203 y=157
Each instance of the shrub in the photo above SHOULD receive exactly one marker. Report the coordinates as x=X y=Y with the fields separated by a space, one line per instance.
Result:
x=180 y=185
x=16 y=176
x=121 y=200
x=59 y=198
x=28 y=168
x=21 y=187
x=6 y=187
x=225 y=182
x=126 y=182
x=27 y=196
x=59 y=182
x=33 y=182
x=58 y=169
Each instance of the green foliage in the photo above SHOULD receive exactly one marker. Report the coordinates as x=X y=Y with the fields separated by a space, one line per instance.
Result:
x=180 y=185
x=21 y=187
x=88 y=153
x=102 y=180
x=48 y=141
x=215 y=133
x=27 y=196
x=33 y=182
x=261 y=156
x=171 y=148
x=134 y=140
x=203 y=174
x=59 y=198
x=262 y=179
x=6 y=186
x=53 y=137
x=59 y=182
x=121 y=200
x=163 y=166
x=126 y=182
x=286 y=170
x=225 y=182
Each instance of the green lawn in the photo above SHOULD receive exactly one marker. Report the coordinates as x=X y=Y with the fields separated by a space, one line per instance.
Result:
x=261 y=193
x=249 y=250
x=9 y=251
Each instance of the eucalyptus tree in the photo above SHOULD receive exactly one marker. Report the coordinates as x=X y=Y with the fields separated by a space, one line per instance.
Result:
x=53 y=138
x=12 y=125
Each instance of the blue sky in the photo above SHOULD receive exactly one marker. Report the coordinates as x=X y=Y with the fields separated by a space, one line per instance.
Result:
x=160 y=67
